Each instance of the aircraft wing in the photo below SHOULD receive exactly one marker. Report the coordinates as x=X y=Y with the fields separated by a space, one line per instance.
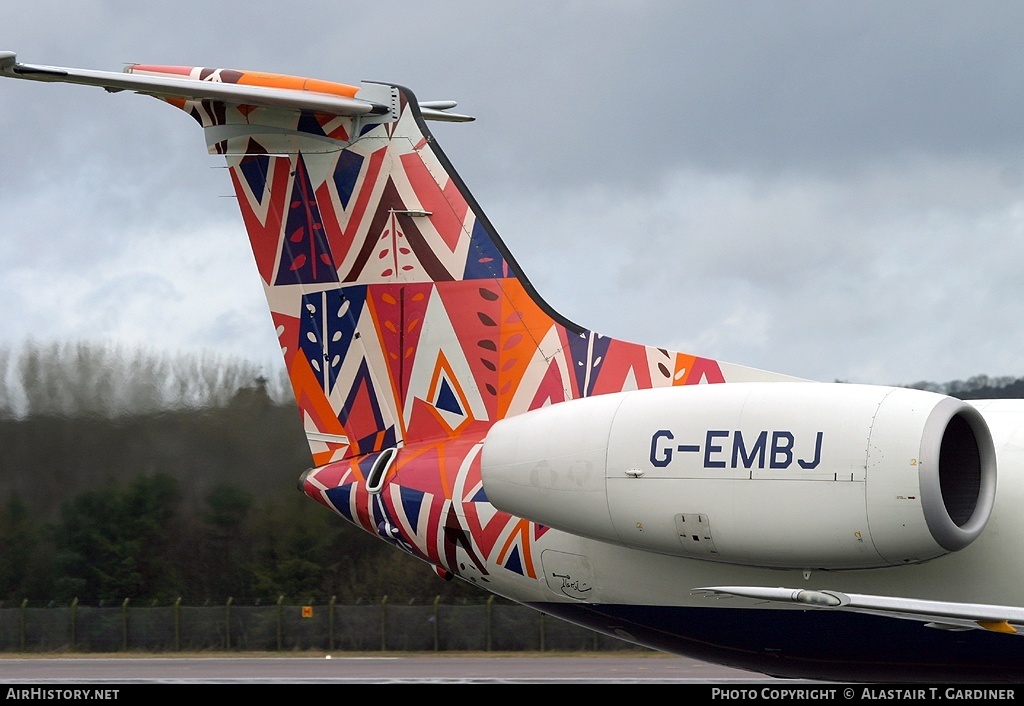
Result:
x=945 y=615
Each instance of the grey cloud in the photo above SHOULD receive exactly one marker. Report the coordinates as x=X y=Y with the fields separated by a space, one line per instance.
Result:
x=836 y=186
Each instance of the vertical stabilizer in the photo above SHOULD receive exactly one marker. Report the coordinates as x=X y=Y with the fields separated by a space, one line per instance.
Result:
x=400 y=312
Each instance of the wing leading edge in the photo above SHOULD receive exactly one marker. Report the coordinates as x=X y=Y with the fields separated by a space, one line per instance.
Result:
x=258 y=89
x=946 y=615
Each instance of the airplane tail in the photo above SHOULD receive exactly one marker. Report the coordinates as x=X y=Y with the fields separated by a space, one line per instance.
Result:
x=401 y=314
x=409 y=332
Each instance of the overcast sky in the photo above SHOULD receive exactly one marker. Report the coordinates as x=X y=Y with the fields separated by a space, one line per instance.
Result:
x=829 y=190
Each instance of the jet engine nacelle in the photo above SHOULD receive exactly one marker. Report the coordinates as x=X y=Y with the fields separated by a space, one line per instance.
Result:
x=787 y=475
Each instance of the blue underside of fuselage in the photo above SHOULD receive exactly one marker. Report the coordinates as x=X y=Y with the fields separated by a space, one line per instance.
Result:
x=811 y=644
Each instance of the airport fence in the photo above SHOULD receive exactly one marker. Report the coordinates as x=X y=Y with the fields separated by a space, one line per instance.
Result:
x=368 y=627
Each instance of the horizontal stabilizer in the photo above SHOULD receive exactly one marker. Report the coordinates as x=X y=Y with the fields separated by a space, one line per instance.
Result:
x=438 y=110
x=433 y=114
x=329 y=99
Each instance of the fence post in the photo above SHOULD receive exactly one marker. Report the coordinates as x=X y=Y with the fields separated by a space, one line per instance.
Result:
x=227 y=623
x=490 y=617
x=124 y=625
x=177 y=625
x=437 y=626
x=330 y=625
x=74 y=623
x=280 y=610
x=383 y=624
x=24 y=605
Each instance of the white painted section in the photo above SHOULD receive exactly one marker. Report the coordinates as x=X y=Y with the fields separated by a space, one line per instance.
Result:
x=793 y=475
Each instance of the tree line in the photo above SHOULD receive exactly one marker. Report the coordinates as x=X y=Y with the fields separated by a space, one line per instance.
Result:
x=87 y=379
x=127 y=474
x=114 y=485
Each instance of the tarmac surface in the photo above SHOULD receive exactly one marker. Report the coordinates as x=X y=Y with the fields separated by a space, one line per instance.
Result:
x=345 y=668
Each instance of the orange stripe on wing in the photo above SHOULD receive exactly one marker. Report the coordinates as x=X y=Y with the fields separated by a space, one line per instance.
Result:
x=255 y=78
x=296 y=83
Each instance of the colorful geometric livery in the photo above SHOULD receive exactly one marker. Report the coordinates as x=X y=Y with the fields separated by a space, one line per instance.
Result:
x=452 y=412
x=403 y=319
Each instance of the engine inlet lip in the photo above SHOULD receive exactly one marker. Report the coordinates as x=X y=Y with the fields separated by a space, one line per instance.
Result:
x=947 y=418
